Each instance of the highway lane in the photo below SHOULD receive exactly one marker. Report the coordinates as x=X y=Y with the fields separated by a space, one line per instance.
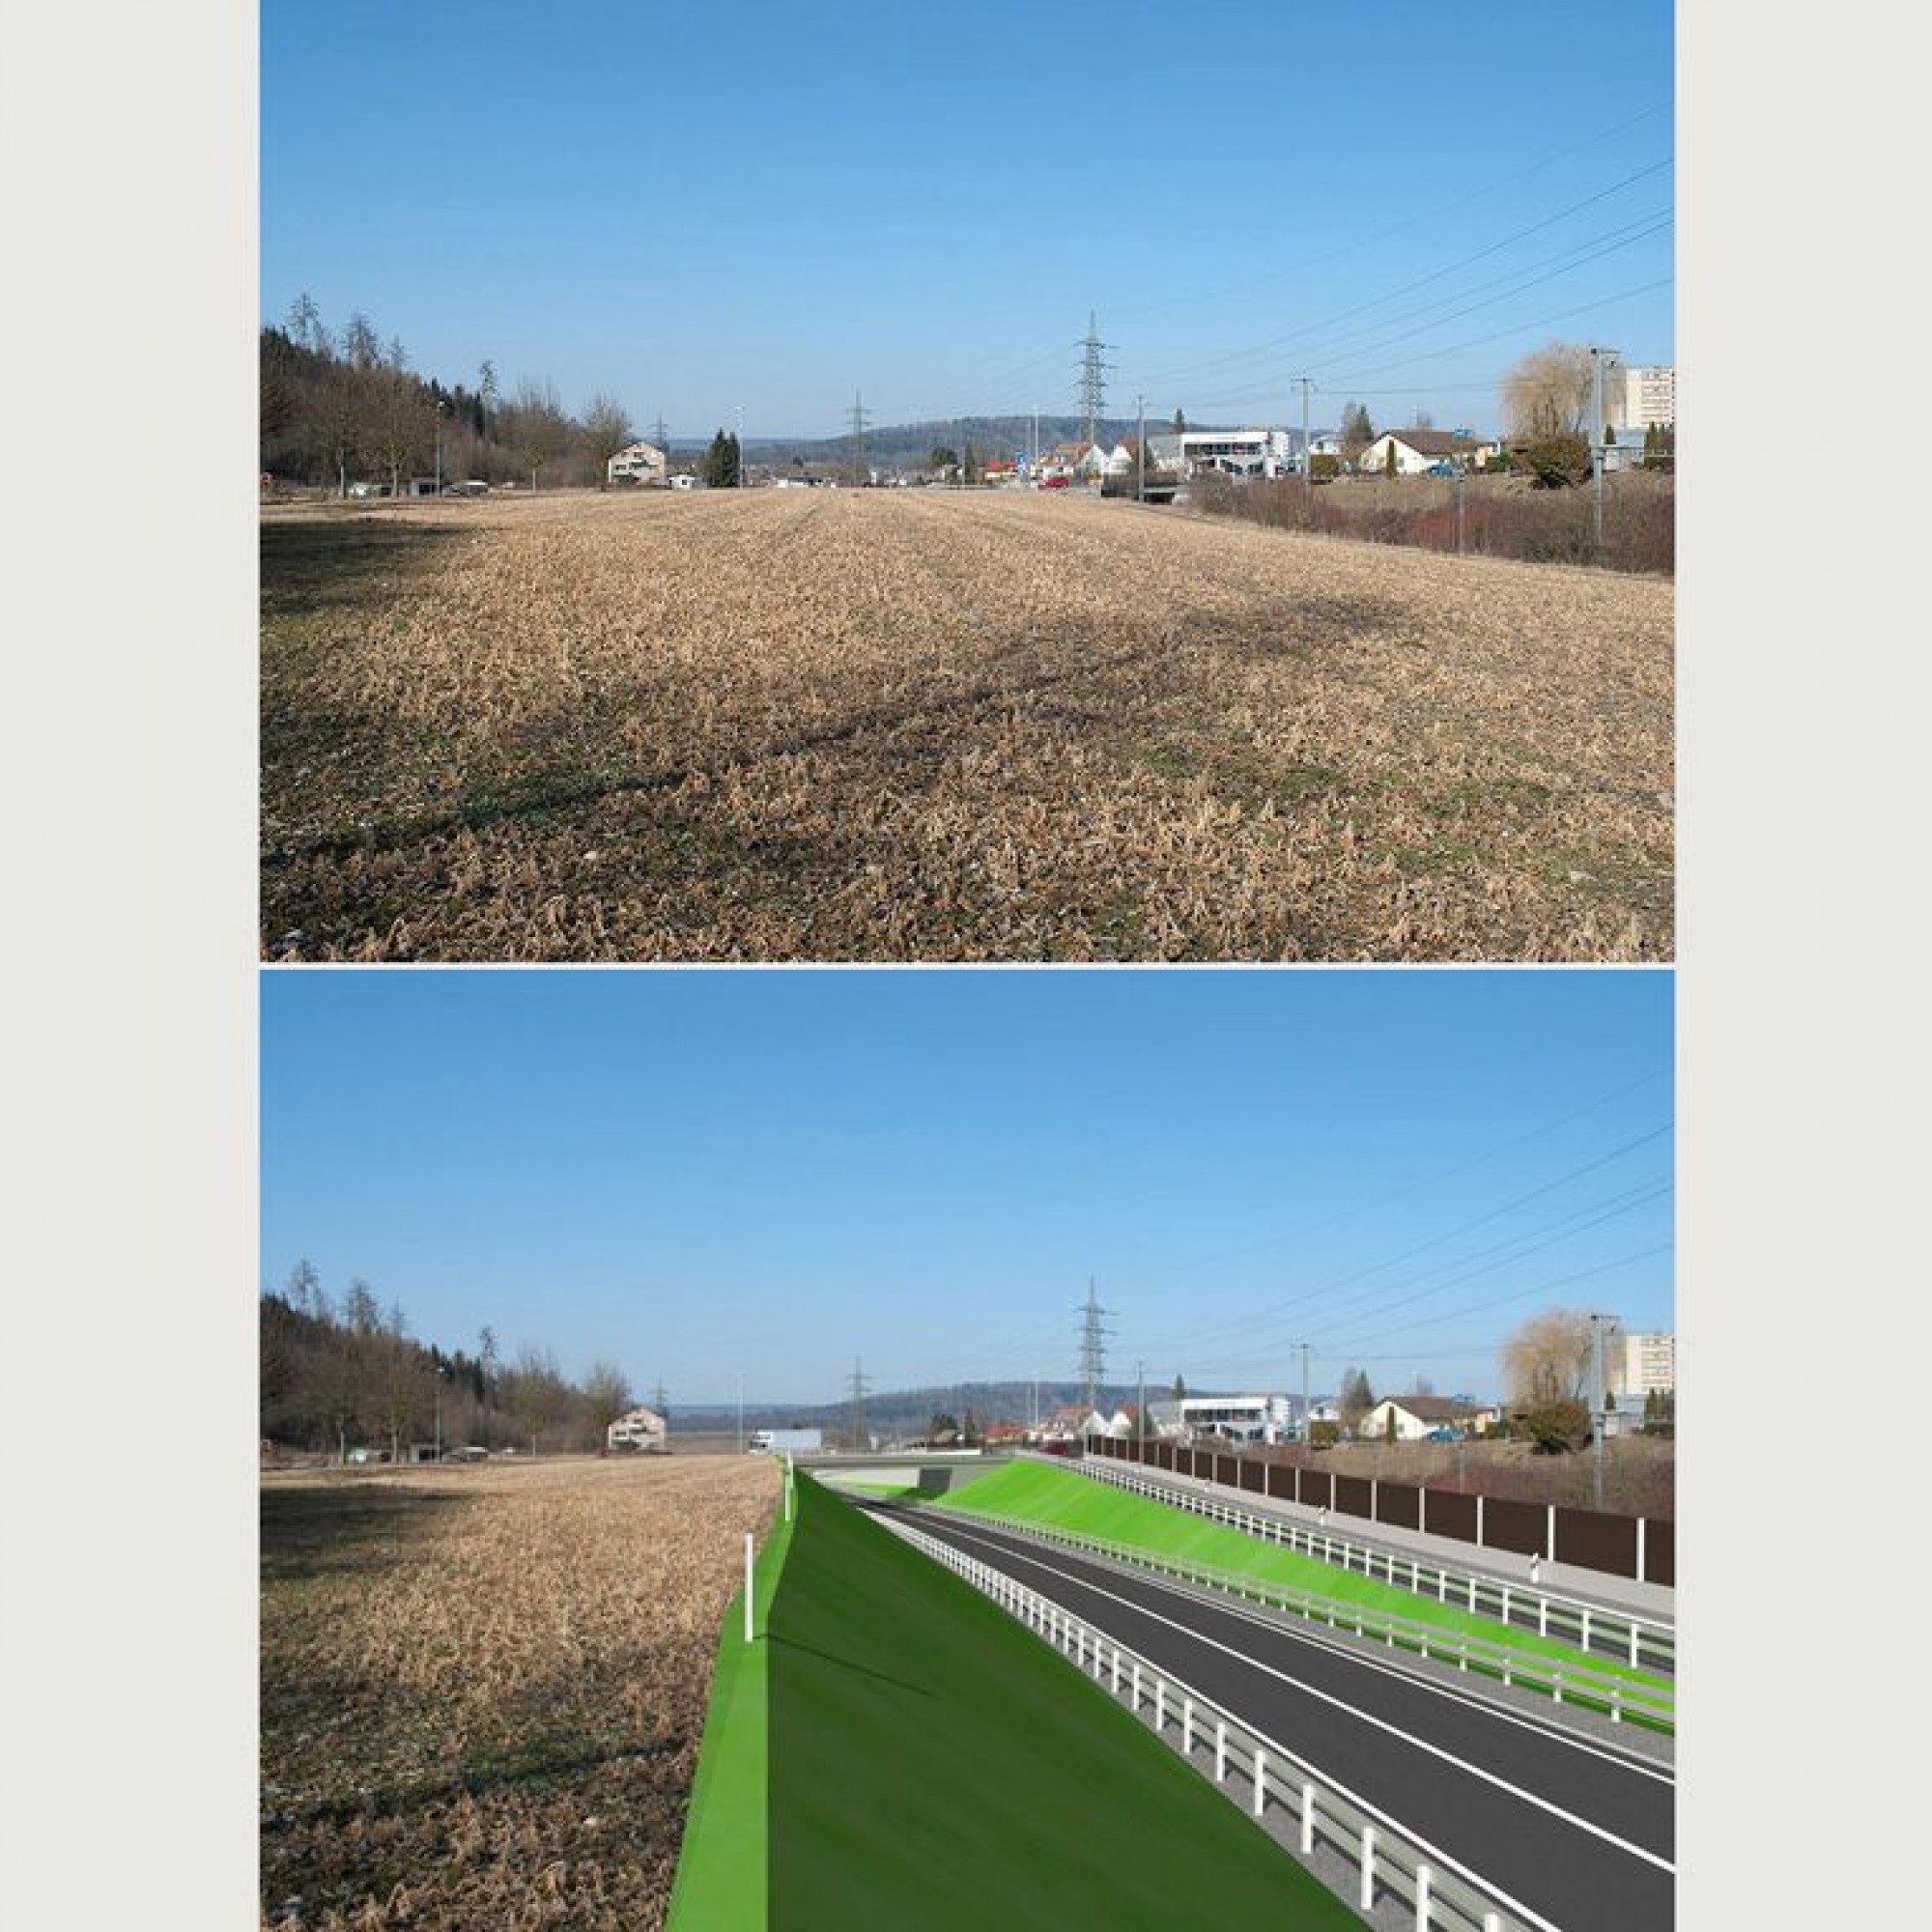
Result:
x=1617 y=1597
x=1579 y=1833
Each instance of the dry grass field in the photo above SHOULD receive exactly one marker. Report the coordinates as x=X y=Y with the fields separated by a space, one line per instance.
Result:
x=901 y=725
x=482 y=1690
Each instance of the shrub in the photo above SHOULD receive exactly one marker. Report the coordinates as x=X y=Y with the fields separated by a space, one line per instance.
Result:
x=1558 y=462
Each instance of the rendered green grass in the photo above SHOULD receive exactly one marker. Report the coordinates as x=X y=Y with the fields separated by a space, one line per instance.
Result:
x=1059 y=1499
x=722 y=1868
x=934 y=1764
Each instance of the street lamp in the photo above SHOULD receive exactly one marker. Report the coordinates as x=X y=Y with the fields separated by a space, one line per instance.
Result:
x=740 y=479
x=441 y=407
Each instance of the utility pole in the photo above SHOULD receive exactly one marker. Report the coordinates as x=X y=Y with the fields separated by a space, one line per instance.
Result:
x=1140 y=1414
x=1597 y=1405
x=1307 y=1419
x=741 y=1411
x=1597 y=428
x=738 y=481
x=861 y=1438
x=1140 y=487
x=1093 y=1346
x=1093 y=376
x=1034 y=468
x=1307 y=489
x=859 y=475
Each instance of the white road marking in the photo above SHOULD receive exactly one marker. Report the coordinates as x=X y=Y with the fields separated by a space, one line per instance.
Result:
x=1420 y=1743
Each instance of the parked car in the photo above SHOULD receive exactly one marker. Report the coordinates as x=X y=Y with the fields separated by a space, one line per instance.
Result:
x=1445 y=468
x=1447 y=1433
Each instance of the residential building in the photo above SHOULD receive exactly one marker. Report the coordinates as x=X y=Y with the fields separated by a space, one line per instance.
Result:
x=640 y=462
x=1239 y=1418
x=637 y=1429
x=1417 y=451
x=1415 y=1417
x=1650 y=398
x=1238 y=452
x=1649 y=1365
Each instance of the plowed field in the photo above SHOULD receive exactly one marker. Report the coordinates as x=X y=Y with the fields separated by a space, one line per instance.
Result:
x=907 y=724
x=482 y=1689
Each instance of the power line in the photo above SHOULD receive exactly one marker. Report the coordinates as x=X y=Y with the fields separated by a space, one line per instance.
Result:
x=1302 y=333
x=1379 y=235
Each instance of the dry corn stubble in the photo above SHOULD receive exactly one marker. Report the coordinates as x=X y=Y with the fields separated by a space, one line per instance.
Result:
x=483 y=1689
x=900 y=724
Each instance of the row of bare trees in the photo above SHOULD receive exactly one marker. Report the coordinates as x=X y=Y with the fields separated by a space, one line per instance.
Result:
x=343 y=406
x=348 y=1374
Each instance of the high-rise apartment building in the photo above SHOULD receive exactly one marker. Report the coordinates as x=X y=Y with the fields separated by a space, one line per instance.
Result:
x=1650 y=397
x=1650 y=1362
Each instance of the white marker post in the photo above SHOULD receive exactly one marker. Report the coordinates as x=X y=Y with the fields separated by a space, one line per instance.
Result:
x=748 y=1586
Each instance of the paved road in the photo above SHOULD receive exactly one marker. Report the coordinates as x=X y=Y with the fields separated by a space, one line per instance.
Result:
x=1579 y=1833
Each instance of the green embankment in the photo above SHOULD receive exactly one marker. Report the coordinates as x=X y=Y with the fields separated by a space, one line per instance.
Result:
x=935 y=1764
x=722 y=1868
x=1034 y=1492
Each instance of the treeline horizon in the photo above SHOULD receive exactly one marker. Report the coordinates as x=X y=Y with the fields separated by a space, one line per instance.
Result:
x=343 y=406
x=349 y=1375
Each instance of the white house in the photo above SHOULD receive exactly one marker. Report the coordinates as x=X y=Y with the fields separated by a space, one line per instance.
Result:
x=637 y=1429
x=1416 y=1417
x=640 y=462
x=1416 y=451
x=1239 y=1418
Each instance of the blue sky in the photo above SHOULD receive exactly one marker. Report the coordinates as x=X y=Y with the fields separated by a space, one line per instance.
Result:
x=708 y=1174
x=778 y=207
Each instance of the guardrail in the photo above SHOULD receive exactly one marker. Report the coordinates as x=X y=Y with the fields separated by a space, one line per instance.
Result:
x=1618 y=1698
x=1383 y=1859
x=1642 y=1642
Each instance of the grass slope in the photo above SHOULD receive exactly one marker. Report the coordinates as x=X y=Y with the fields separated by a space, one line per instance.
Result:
x=722 y=1871
x=1060 y=1499
x=935 y=1764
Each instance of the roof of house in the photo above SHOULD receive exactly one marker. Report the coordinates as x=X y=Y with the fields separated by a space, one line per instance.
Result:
x=1428 y=1407
x=1432 y=442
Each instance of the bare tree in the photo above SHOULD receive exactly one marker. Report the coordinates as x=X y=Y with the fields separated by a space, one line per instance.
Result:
x=1547 y=1360
x=607 y=430
x=606 y=1395
x=397 y=421
x=1548 y=393
x=398 y=1381
x=338 y=421
x=537 y=1393
x=534 y=427
x=361 y=346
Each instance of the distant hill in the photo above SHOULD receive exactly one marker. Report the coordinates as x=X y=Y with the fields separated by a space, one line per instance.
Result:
x=907 y=447
x=907 y=1411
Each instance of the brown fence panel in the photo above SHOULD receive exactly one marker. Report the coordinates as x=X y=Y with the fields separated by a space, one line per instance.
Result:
x=1513 y=1526
x=1353 y=1496
x=1316 y=1487
x=1660 y=1552
x=1225 y=1472
x=1281 y=1480
x=1164 y=1455
x=1400 y=1504
x=1450 y=1513
x=1596 y=1540
x=1254 y=1474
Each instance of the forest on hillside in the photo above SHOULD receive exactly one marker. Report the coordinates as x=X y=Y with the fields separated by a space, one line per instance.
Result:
x=337 y=1376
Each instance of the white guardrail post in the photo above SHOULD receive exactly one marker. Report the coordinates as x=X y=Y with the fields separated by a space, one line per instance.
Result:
x=1444 y=1894
x=1325 y=1546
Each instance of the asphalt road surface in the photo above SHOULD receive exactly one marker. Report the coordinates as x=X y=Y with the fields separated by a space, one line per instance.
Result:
x=1578 y=1834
